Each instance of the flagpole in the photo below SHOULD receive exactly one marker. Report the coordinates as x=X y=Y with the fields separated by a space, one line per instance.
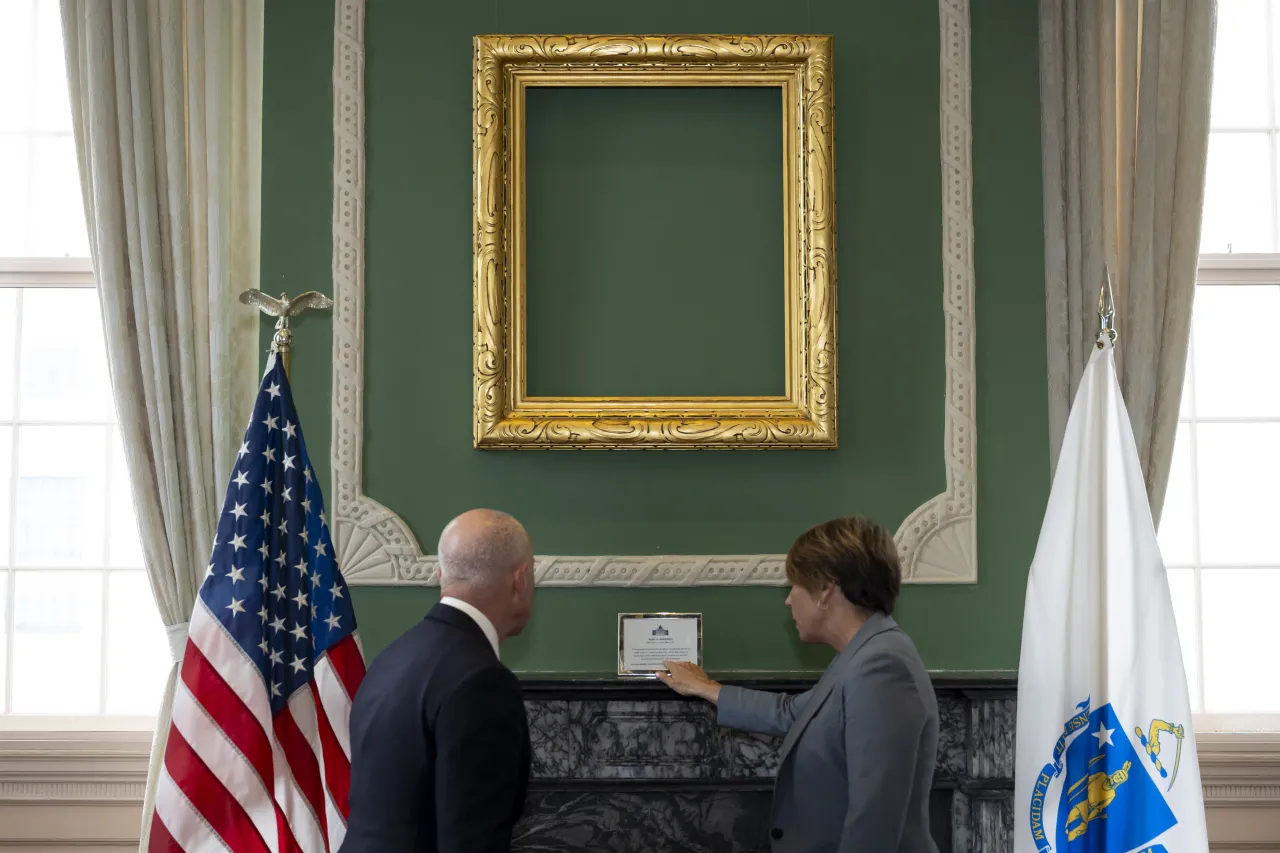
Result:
x=282 y=343
x=282 y=309
x=1106 y=311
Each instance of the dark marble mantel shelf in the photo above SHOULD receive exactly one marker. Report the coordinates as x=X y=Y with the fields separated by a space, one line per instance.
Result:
x=940 y=676
x=627 y=764
x=609 y=687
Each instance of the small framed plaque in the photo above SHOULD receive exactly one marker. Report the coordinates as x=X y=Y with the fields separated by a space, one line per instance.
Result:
x=645 y=640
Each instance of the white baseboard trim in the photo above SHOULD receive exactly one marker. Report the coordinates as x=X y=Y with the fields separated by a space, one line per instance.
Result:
x=73 y=767
x=1240 y=769
x=78 y=847
x=72 y=791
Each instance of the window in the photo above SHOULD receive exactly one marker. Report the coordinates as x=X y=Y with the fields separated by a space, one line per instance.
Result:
x=1220 y=530
x=80 y=640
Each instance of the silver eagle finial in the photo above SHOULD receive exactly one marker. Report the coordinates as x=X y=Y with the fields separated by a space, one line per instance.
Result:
x=282 y=309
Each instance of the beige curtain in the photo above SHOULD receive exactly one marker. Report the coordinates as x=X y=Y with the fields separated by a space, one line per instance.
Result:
x=1124 y=90
x=166 y=102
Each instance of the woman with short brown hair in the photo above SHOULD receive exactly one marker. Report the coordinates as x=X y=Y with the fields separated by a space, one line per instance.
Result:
x=856 y=763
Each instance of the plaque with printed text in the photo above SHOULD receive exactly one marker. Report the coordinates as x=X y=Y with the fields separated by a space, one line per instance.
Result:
x=646 y=640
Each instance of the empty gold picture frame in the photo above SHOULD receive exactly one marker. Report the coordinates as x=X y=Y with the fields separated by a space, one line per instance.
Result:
x=505 y=416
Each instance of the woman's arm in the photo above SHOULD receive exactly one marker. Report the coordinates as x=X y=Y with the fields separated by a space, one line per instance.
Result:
x=740 y=708
x=760 y=711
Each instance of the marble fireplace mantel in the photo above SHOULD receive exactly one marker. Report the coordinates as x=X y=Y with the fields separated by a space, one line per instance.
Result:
x=631 y=766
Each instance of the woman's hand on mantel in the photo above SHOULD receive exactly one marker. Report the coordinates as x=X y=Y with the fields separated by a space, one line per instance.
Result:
x=688 y=679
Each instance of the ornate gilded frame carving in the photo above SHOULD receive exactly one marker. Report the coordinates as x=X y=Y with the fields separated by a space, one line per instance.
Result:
x=937 y=542
x=505 y=415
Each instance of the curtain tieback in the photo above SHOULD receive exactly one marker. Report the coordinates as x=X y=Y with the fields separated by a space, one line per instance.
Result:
x=177 y=635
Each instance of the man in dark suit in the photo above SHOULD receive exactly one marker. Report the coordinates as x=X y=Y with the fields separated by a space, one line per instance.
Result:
x=439 y=738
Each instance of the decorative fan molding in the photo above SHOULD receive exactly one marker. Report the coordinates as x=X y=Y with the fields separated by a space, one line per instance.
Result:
x=937 y=542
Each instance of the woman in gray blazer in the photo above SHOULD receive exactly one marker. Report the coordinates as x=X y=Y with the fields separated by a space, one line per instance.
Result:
x=858 y=750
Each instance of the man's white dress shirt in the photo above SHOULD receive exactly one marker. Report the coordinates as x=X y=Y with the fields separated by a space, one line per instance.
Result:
x=477 y=617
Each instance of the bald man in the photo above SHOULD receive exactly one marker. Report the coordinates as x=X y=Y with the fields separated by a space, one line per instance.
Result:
x=439 y=738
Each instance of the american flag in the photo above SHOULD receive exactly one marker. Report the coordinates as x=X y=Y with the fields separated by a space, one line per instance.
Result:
x=258 y=753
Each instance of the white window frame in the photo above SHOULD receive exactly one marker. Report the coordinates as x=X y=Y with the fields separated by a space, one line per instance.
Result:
x=48 y=273
x=1221 y=270
x=1238 y=269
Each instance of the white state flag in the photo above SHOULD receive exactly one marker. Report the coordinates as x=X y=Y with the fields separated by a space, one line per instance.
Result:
x=1106 y=757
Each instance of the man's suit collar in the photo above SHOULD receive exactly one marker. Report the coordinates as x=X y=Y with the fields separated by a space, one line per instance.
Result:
x=458 y=619
x=477 y=615
x=877 y=623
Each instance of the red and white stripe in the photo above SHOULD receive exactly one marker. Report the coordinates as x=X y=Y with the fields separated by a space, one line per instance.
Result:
x=235 y=778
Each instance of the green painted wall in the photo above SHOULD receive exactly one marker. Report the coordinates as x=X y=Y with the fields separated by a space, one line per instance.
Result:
x=681 y=247
x=419 y=459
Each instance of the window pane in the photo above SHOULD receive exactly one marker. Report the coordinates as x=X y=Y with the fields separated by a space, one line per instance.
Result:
x=1238 y=467
x=1182 y=589
x=1237 y=351
x=126 y=550
x=1241 y=636
x=1176 y=519
x=52 y=100
x=58 y=226
x=1188 y=375
x=61 y=495
x=64 y=361
x=57 y=642
x=1240 y=73
x=1275 y=57
x=1237 y=194
x=17 y=55
x=8 y=349
x=5 y=578
x=6 y=492
x=15 y=190
x=137 y=651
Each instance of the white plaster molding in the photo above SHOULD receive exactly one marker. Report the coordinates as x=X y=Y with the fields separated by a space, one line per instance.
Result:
x=374 y=545
x=937 y=542
x=719 y=570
